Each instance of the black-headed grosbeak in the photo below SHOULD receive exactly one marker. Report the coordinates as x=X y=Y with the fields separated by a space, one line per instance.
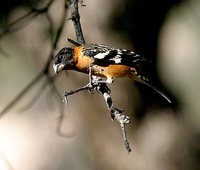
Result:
x=104 y=61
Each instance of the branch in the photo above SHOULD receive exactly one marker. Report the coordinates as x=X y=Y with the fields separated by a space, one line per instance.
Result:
x=23 y=19
x=100 y=87
x=115 y=112
x=75 y=17
x=44 y=72
x=21 y=94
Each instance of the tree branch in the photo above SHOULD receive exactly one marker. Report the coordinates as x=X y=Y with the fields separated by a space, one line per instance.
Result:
x=22 y=93
x=23 y=19
x=75 y=17
x=100 y=87
x=44 y=72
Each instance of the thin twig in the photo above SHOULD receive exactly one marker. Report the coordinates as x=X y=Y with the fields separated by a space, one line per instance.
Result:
x=75 y=17
x=22 y=93
x=44 y=72
x=115 y=112
x=62 y=115
x=100 y=87
x=35 y=98
x=23 y=19
x=3 y=52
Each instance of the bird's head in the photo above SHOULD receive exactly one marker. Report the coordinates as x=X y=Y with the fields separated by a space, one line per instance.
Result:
x=63 y=59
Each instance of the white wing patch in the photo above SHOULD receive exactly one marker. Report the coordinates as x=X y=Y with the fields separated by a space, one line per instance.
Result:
x=101 y=55
x=117 y=59
x=119 y=51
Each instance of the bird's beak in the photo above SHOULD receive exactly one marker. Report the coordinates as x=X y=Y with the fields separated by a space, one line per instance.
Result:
x=58 y=67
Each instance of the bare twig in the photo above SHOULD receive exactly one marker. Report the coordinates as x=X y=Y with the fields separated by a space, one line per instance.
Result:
x=19 y=20
x=3 y=52
x=24 y=19
x=115 y=112
x=75 y=17
x=100 y=87
x=22 y=93
x=43 y=73
x=36 y=96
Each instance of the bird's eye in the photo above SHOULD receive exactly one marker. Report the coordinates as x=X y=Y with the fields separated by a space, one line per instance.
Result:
x=65 y=55
x=61 y=57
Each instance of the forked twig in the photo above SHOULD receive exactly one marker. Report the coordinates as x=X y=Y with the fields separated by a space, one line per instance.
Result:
x=115 y=112
x=44 y=72
x=75 y=17
x=100 y=87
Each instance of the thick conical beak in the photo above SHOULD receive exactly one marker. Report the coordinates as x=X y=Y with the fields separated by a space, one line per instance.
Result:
x=58 y=67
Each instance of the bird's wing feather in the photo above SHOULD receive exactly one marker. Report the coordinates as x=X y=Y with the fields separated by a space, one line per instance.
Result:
x=106 y=55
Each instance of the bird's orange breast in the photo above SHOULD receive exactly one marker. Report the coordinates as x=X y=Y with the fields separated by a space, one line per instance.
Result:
x=112 y=71
x=81 y=62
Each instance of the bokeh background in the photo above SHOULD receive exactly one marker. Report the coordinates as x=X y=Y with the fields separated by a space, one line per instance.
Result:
x=162 y=136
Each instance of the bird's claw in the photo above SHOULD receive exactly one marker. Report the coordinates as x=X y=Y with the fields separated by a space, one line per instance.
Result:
x=123 y=118
x=117 y=111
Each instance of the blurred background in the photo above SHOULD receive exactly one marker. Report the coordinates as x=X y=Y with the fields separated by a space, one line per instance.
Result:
x=162 y=135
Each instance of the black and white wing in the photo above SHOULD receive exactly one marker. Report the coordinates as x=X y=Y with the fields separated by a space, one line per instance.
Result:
x=106 y=55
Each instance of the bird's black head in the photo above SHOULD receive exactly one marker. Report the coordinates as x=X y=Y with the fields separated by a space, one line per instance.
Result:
x=63 y=59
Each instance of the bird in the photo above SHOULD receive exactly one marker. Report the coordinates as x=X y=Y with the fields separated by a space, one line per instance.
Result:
x=104 y=61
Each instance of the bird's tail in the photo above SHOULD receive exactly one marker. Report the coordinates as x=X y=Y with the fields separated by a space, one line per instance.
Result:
x=145 y=81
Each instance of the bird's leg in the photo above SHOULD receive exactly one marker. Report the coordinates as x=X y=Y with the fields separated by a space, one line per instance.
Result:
x=94 y=80
x=91 y=83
